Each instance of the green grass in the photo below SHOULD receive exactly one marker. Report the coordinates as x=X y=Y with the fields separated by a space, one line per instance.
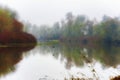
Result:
x=48 y=42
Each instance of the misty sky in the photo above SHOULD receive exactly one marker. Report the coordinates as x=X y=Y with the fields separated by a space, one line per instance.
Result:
x=49 y=11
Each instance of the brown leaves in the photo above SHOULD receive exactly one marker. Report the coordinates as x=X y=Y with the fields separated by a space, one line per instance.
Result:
x=5 y=21
x=18 y=26
x=116 y=78
x=11 y=30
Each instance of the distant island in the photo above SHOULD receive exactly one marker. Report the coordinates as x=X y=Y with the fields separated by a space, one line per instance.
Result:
x=11 y=30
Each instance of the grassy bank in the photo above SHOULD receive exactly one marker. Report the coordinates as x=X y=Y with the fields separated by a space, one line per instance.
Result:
x=51 y=42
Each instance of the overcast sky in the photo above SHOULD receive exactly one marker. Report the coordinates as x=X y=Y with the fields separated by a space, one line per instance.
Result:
x=49 y=11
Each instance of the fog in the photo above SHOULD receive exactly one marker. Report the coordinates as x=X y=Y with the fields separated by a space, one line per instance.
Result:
x=49 y=11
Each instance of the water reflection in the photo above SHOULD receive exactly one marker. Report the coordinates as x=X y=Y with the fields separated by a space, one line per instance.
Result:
x=76 y=55
x=9 y=57
x=58 y=61
x=105 y=56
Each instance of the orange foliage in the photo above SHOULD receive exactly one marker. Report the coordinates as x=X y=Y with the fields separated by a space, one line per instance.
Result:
x=11 y=30
x=17 y=25
x=5 y=21
x=7 y=38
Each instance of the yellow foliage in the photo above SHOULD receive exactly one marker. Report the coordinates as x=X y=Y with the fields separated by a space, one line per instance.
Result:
x=6 y=22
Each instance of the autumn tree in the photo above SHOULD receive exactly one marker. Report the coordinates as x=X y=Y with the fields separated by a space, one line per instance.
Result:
x=11 y=29
x=5 y=21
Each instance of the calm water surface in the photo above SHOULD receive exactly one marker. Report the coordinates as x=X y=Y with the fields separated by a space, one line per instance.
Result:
x=57 y=62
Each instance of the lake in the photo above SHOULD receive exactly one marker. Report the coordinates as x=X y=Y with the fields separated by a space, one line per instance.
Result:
x=59 y=62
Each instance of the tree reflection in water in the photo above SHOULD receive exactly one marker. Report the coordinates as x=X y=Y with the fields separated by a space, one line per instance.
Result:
x=77 y=55
x=107 y=56
x=9 y=57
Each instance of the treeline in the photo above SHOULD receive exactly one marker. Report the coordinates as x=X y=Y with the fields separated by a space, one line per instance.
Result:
x=74 y=28
x=11 y=29
x=44 y=32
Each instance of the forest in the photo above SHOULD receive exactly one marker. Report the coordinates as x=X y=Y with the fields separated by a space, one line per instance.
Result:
x=72 y=29
x=79 y=29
